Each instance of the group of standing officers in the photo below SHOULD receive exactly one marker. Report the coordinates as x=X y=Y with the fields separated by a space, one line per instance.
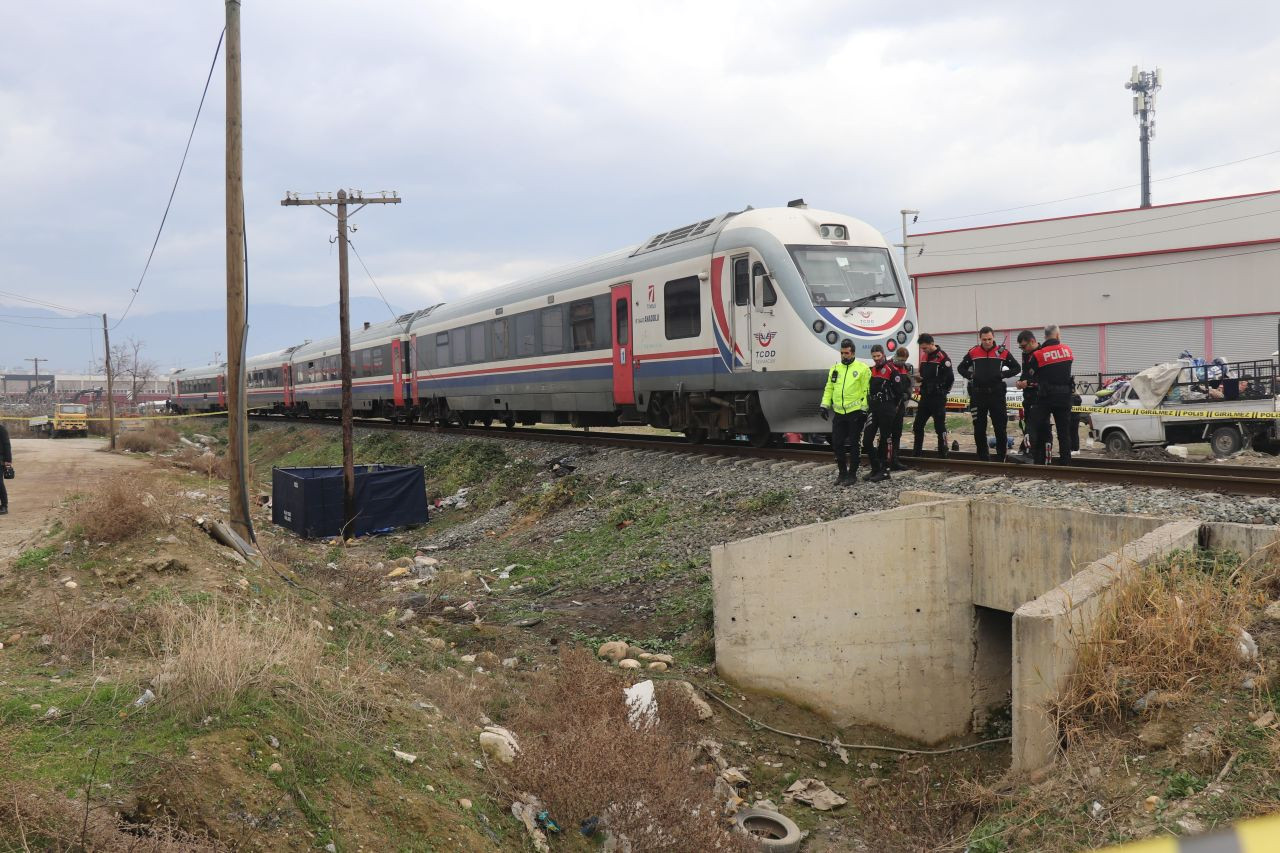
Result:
x=871 y=402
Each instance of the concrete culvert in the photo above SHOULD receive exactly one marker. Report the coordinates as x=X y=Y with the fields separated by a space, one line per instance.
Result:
x=771 y=831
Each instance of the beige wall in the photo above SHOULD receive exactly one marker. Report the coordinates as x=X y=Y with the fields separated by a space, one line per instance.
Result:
x=868 y=618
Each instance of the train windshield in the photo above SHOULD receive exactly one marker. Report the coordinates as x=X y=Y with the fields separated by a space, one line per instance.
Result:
x=848 y=277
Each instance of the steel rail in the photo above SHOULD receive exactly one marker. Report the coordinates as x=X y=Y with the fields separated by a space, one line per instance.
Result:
x=1204 y=477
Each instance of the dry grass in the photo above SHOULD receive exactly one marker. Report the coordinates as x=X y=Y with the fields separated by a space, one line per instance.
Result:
x=122 y=506
x=1171 y=628
x=212 y=655
x=592 y=762
x=94 y=630
x=923 y=808
x=156 y=436
x=44 y=820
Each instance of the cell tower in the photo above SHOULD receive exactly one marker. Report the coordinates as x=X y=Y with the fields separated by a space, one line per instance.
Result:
x=1144 y=85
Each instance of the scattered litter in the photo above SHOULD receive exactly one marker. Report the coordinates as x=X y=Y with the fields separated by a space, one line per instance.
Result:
x=589 y=826
x=1246 y=645
x=1096 y=811
x=397 y=572
x=642 y=704
x=735 y=777
x=545 y=821
x=274 y=741
x=1266 y=720
x=146 y=698
x=838 y=748
x=815 y=793
x=52 y=713
x=406 y=757
x=526 y=811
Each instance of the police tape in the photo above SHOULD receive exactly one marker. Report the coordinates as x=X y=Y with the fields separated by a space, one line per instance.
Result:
x=1164 y=413
x=1261 y=835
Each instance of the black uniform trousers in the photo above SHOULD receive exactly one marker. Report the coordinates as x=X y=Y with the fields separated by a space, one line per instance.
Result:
x=4 y=495
x=931 y=406
x=882 y=417
x=1051 y=411
x=845 y=431
x=990 y=403
x=898 y=419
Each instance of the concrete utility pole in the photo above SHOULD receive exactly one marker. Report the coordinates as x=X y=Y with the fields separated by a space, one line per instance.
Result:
x=906 y=246
x=111 y=397
x=344 y=322
x=1144 y=85
x=237 y=416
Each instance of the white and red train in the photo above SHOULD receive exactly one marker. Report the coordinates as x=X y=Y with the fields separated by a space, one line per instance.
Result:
x=720 y=328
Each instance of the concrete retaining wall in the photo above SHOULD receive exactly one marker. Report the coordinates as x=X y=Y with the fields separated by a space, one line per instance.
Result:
x=1046 y=632
x=866 y=618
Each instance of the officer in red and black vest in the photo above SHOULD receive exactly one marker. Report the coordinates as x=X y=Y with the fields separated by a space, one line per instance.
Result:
x=884 y=395
x=1051 y=366
x=936 y=379
x=987 y=366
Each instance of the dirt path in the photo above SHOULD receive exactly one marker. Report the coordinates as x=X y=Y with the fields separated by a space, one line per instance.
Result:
x=48 y=471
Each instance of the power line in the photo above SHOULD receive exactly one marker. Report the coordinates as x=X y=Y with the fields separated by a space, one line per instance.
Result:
x=178 y=177
x=42 y=303
x=1105 y=272
x=37 y=326
x=394 y=315
x=982 y=250
x=1092 y=194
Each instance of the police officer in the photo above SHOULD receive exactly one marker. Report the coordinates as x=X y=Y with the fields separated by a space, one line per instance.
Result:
x=844 y=400
x=884 y=395
x=936 y=379
x=6 y=467
x=1051 y=365
x=902 y=364
x=987 y=366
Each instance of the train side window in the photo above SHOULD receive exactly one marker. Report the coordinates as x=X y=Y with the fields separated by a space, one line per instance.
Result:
x=526 y=334
x=458 y=346
x=553 y=329
x=764 y=286
x=582 y=325
x=501 y=339
x=475 y=336
x=604 y=329
x=682 y=305
x=741 y=282
x=624 y=324
x=380 y=360
x=442 y=349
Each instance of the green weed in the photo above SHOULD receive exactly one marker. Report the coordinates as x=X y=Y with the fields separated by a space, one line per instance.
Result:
x=35 y=558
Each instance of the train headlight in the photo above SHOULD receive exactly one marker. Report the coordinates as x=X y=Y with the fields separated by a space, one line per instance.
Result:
x=818 y=326
x=890 y=346
x=833 y=232
x=832 y=337
x=902 y=337
x=909 y=326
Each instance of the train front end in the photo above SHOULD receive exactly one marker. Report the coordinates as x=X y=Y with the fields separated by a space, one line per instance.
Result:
x=830 y=277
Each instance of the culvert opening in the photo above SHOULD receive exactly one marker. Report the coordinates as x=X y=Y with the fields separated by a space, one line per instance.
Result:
x=992 y=671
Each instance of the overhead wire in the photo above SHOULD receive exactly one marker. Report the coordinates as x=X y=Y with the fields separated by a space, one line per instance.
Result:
x=1116 y=270
x=172 y=192
x=1089 y=194
x=394 y=315
x=45 y=304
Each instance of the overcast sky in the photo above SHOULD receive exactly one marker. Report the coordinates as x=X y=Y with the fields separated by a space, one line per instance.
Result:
x=525 y=135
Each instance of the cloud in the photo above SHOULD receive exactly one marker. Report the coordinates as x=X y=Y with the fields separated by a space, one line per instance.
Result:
x=522 y=135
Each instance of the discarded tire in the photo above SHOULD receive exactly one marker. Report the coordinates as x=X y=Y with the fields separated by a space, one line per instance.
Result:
x=771 y=831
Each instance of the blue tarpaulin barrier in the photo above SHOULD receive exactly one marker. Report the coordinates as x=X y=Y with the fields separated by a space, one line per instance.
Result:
x=308 y=501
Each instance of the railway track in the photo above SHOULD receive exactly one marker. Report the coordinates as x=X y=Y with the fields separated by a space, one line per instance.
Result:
x=1204 y=477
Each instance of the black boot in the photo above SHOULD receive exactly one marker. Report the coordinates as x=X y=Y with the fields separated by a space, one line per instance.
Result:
x=852 y=477
x=878 y=472
x=942 y=448
x=843 y=476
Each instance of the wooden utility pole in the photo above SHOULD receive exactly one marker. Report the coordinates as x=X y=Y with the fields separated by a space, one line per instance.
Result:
x=111 y=396
x=344 y=322
x=35 y=383
x=237 y=416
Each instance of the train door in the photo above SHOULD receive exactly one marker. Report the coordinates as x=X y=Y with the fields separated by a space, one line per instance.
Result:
x=624 y=389
x=413 y=368
x=740 y=312
x=397 y=373
x=222 y=391
x=286 y=380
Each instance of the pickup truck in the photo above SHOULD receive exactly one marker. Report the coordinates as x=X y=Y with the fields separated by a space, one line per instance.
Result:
x=1227 y=425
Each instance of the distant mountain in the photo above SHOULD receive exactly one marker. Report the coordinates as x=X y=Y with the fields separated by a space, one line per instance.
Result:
x=170 y=338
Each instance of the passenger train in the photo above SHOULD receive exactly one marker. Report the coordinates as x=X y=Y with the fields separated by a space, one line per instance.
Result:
x=720 y=328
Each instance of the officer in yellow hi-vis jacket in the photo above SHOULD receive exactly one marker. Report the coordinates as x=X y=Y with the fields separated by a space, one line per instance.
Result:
x=845 y=396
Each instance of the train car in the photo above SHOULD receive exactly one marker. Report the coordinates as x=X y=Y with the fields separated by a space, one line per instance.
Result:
x=198 y=389
x=719 y=328
x=379 y=363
